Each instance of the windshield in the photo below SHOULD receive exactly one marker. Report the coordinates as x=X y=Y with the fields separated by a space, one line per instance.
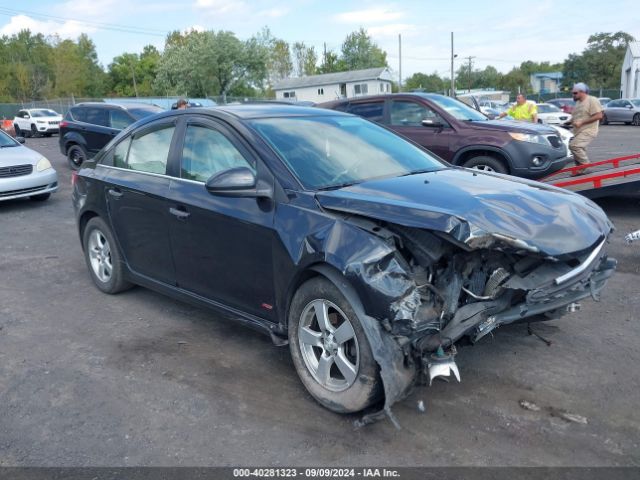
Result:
x=43 y=113
x=636 y=102
x=548 y=109
x=458 y=109
x=139 y=113
x=332 y=151
x=7 y=141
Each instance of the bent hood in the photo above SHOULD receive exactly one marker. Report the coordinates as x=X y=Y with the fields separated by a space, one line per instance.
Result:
x=481 y=210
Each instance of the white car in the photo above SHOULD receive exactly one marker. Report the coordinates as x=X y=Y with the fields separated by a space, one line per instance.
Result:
x=24 y=172
x=552 y=115
x=37 y=121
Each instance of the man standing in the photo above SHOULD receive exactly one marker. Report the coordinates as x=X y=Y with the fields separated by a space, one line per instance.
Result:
x=522 y=110
x=586 y=116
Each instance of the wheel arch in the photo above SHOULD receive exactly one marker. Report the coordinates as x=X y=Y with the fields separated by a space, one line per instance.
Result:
x=71 y=139
x=482 y=150
x=82 y=223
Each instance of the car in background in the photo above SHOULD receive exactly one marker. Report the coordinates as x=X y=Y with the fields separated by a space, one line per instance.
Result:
x=552 y=115
x=87 y=127
x=363 y=252
x=604 y=100
x=625 y=110
x=8 y=128
x=36 y=121
x=564 y=104
x=462 y=135
x=24 y=172
x=190 y=104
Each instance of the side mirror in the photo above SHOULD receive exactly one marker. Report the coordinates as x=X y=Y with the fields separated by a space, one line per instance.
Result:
x=431 y=123
x=237 y=182
x=20 y=139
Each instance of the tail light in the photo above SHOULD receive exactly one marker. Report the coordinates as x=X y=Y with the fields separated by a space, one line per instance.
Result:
x=64 y=124
x=74 y=178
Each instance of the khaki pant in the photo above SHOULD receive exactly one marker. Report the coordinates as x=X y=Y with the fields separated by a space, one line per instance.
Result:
x=578 y=146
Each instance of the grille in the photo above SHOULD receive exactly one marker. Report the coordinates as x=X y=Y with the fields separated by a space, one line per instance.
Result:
x=54 y=122
x=15 y=171
x=23 y=191
x=554 y=140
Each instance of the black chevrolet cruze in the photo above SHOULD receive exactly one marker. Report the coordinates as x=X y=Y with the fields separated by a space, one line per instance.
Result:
x=369 y=256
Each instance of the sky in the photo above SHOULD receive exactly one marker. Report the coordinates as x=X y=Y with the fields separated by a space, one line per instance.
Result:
x=498 y=33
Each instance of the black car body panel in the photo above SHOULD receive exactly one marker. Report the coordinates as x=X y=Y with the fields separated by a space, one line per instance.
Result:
x=422 y=258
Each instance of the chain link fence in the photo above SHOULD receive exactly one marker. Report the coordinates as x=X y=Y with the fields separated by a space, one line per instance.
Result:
x=62 y=105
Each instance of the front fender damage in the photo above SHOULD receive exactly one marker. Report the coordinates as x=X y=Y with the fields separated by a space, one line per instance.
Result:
x=417 y=292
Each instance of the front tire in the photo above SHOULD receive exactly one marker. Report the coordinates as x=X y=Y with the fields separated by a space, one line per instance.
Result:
x=485 y=163
x=19 y=132
x=34 y=131
x=604 y=120
x=636 y=120
x=330 y=349
x=76 y=156
x=102 y=257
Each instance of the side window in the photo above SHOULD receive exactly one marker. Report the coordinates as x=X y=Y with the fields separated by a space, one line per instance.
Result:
x=120 y=153
x=119 y=119
x=149 y=152
x=206 y=152
x=370 y=111
x=97 y=116
x=79 y=114
x=411 y=114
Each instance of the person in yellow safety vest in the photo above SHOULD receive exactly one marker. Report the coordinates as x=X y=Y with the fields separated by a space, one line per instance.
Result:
x=522 y=110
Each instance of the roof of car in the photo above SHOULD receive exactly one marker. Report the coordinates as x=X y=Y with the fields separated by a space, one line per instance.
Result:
x=258 y=110
x=125 y=105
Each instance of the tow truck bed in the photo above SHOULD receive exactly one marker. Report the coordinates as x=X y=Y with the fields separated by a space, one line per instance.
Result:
x=608 y=177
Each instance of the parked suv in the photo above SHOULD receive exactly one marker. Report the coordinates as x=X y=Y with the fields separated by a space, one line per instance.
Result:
x=36 y=121
x=462 y=135
x=87 y=127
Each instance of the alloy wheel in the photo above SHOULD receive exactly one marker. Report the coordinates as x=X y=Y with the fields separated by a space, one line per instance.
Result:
x=100 y=256
x=328 y=345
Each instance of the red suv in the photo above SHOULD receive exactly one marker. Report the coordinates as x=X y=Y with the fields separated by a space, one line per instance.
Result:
x=463 y=136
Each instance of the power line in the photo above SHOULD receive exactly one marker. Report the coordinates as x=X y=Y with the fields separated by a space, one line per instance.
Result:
x=100 y=25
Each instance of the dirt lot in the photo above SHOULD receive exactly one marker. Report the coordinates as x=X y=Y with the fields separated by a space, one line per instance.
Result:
x=88 y=379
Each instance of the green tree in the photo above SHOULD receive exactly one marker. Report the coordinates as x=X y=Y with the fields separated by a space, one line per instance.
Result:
x=201 y=64
x=421 y=81
x=304 y=59
x=360 y=52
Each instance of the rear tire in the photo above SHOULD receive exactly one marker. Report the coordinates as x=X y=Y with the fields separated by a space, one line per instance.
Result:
x=485 y=163
x=76 y=156
x=330 y=349
x=103 y=258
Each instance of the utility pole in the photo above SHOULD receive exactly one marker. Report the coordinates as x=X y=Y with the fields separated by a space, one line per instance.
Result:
x=469 y=58
x=453 y=81
x=400 y=62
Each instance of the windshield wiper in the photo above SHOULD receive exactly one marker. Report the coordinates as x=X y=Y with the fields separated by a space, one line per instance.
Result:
x=338 y=186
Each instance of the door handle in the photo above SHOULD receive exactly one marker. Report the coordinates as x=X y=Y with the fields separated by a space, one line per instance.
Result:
x=115 y=193
x=180 y=213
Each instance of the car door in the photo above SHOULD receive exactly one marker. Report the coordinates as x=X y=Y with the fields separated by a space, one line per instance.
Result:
x=614 y=111
x=626 y=112
x=136 y=190
x=407 y=116
x=94 y=128
x=22 y=119
x=222 y=246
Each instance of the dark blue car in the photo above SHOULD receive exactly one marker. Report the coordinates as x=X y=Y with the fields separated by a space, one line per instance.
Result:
x=369 y=256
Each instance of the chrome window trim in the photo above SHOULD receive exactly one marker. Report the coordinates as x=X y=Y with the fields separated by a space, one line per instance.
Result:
x=161 y=175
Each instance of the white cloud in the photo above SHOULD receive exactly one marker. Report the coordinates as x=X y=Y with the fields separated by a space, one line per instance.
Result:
x=274 y=12
x=221 y=7
x=392 y=30
x=372 y=15
x=68 y=29
x=90 y=9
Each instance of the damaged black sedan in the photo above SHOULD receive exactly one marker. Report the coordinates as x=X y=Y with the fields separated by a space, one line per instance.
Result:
x=366 y=254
